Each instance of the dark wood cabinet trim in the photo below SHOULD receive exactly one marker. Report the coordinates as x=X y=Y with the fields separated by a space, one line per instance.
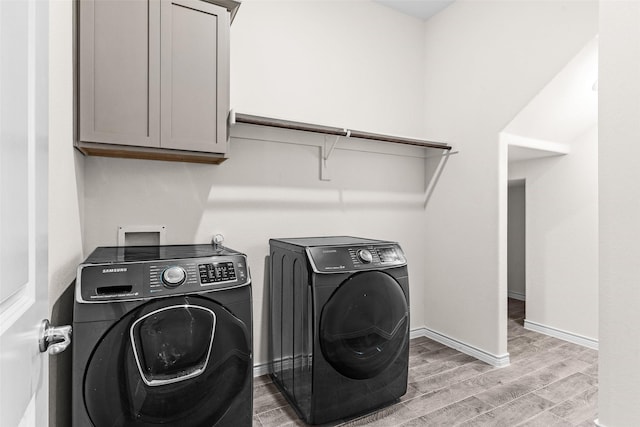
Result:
x=148 y=153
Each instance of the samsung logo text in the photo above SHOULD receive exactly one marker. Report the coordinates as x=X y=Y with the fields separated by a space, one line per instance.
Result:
x=114 y=270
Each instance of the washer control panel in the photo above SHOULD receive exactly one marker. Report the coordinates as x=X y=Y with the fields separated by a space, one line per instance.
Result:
x=365 y=256
x=153 y=279
x=217 y=272
x=174 y=276
x=335 y=259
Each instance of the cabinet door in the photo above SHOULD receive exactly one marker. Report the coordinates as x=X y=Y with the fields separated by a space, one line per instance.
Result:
x=194 y=75
x=119 y=56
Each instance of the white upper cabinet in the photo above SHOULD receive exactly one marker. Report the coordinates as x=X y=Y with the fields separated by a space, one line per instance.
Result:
x=154 y=79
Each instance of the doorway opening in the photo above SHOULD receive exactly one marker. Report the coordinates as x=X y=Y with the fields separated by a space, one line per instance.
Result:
x=516 y=256
x=552 y=143
x=516 y=237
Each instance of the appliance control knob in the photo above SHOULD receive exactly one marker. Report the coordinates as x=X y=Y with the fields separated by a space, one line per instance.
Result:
x=174 y=276
x=365 y=256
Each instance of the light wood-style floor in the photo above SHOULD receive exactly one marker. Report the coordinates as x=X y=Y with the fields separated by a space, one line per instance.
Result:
x=550 y=382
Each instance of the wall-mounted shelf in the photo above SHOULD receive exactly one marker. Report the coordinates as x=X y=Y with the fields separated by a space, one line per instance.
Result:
x=327 y=148
x=328 y=130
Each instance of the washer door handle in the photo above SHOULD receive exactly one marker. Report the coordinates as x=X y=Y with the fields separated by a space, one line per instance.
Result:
x=54 y=339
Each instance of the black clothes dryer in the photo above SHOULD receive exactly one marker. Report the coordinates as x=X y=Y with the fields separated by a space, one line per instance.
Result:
x=339 y=324
x=162 y=336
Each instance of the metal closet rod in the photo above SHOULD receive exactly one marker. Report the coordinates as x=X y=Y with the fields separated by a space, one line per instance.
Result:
x=328 y=130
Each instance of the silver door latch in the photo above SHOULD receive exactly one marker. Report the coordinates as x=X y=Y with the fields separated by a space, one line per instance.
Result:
x=54 y=339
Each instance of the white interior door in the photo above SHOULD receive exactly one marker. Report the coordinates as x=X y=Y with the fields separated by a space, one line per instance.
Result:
x=23 y=210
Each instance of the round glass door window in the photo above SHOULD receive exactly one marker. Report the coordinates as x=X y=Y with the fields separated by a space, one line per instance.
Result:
x=364 y=325
x=177 y=361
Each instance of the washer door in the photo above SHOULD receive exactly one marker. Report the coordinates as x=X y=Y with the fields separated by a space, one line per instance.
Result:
x=177 y=362
x=364 y=325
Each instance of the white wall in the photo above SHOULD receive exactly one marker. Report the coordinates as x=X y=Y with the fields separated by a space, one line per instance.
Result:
x=65 y=200
x=65 y=164
x=566 y=107
x=484 y=62
x=619 y=175
x=516 y=236
x=354 y=64
x=562 y=237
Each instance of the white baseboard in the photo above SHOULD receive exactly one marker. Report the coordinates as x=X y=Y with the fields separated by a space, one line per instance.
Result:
x=260 y=369
x=499 y=361
x=517 y=295
x=563 y=335
x=417 y=333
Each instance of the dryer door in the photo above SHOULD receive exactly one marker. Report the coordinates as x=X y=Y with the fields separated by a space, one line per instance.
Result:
x=177 y=361
x=364 y=325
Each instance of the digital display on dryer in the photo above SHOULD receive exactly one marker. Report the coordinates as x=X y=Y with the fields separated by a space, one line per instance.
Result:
x=217 y=272
x=388 y=255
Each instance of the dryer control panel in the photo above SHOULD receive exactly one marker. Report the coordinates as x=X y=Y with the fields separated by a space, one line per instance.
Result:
x=107 y=282
x=336 y=259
